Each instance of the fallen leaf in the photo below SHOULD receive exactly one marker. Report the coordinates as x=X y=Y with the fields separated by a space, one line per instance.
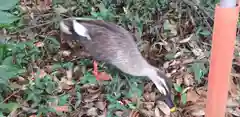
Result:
x=233 y=89
x=65 y=53
x=186 y=39
x=90 y=98
x=198 y=112
x=188 y=79
x=149 y=113
x=92 y=112
x=134 y=114
x=163 y=107
x=61 y=108
x=104 y=76
x=171 y=26
x=235 y=112
x=157 y=112
x=65 y=84
x=148 y=87
x=94 y=90
x=39 y=44
x=119 y=113
x=101 y=105
x=148 y=105
x=69 y=74
x=60 y=9
x=192 y=96
x=231 y=103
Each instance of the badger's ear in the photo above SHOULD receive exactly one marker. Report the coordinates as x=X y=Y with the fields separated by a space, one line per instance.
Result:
x=64 y=28
x=80 y=30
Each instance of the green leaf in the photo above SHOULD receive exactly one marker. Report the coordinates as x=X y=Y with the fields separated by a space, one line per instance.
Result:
x=170 y=56
x=178 y=88
x=9 y=72
x=7 y=18
x=202 y=31
x=39 y=84
x=132 y=105
x=9 y=106
x=184 y=98
x=63 y=100
x=79 y=99
x=7 y=4
x=199 y=70
x=3 y=51
x=88 y=78
x=1 y=114
x=50 y=87
x=8 y=61
x=116 y=106
x=135 y=91
x=205 y=33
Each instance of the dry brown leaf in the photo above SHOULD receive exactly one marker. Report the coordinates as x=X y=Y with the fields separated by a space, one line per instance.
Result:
x=149 y=113
x=179 y=81
x=198 y=112
x=104 y=76
x=192 y=96
x=166 y=65
x=119 y=113
x=232 y=103
x=148 y=105
x=92 y=112
x=101 y=105
x=134 y=114
x=157 y=112
x=60 y=9
x=94 y=90
x=234 y=111
x=163 y=107
x=188 y=79
x=146 y=96
x=39 y=44
x=194 y=110
x=65 y=53
x=148 y=87
x=233 y=89
x=61 y=108
x=186 y=39
x=88 y=105
x=90 y=98
x=69 y=74
x=65 y=84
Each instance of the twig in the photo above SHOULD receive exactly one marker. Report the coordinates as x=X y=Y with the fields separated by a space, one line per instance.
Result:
x=11 y=95
x=25 y=29
x=235 y=75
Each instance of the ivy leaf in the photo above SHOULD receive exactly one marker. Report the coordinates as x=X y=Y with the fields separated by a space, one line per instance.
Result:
x=79 y=99
x=9 y=72
x=184 y=98
x=178 y=88
x=89 y=78
x=7 y=18
x=205 y=33
x=9 y=106
x=63 y=100
x=7 y=4
x=199 y=70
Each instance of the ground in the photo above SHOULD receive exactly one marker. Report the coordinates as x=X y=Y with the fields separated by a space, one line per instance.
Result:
x=41 y=76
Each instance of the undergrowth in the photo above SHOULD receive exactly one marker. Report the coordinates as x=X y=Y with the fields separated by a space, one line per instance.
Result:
x=34 y=78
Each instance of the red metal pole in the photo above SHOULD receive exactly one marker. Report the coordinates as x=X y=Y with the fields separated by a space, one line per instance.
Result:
x=223 y=40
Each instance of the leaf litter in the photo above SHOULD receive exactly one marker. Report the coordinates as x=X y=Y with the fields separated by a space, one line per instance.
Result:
x=175 y=39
